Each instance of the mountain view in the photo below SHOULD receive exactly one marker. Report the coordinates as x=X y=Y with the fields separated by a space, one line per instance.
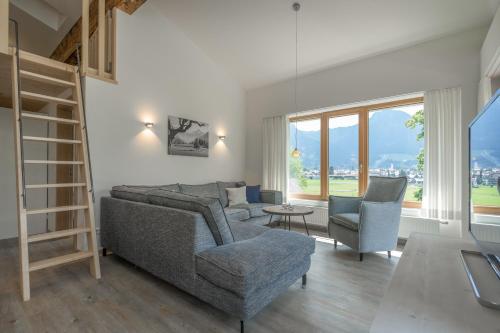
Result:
x=391 y=143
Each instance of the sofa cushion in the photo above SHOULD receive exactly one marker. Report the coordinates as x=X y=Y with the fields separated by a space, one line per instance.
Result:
x=133 y=193
x=237 y=196
x=350 y=221
x=385 y=189
x=138 y=192
x=209 y=190
x=253 y=194
x=244 y=230
x=210 y=208
x=171 y=187
x=255 y=209
x=222 y=190
x=251 y=264
x=238 y=214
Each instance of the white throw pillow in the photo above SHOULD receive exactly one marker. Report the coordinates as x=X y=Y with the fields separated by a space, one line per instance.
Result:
x=237 y=196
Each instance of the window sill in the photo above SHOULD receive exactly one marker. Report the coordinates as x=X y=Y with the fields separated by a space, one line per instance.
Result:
x=410 y=212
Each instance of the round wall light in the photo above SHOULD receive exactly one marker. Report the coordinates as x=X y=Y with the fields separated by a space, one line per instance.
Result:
x=149 y=125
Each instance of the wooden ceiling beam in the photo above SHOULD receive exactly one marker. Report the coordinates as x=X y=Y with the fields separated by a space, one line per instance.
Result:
x=70 y=42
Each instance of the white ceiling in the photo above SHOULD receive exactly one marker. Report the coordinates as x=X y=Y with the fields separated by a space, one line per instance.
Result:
x=43 y=23
x=255 y=40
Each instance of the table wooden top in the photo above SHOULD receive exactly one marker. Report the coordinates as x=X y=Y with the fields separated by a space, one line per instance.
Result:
x=295 y=211
x=430 y=291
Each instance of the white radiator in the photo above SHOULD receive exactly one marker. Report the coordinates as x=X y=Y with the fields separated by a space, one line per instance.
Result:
x=486 y=232
x=409 y=224
x=318 y=220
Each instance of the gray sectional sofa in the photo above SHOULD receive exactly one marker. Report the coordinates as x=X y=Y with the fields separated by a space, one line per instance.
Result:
x=247 y=212
x=188 y=236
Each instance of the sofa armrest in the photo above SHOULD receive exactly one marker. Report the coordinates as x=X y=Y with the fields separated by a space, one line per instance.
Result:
x=379 y=225
x=343 y=205
x=161 y=240
x=271 y=197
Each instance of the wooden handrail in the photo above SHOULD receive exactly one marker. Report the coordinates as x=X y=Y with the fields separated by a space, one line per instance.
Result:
x=4 y=26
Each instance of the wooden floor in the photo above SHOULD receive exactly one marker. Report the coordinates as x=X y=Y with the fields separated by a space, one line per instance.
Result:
x=342 y=295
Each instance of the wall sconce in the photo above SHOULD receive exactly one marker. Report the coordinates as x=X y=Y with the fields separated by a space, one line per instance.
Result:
x=222 y=137
x=149 y=125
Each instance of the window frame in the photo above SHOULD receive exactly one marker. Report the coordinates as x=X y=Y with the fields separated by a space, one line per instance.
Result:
x=363 y=114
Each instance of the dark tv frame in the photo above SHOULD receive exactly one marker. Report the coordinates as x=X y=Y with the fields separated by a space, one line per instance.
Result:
x=492 y=258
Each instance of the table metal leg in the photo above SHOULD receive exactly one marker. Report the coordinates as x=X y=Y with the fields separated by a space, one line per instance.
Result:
x=289 y=223
x=284 y=224
x=271 y=218
x=305 y=224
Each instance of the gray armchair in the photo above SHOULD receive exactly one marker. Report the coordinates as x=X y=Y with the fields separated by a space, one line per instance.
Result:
x=369 y=223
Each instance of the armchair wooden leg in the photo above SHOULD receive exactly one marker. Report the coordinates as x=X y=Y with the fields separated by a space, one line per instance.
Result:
x=104 y=252
x=242 y=326
x=389 y=254
x=361 y=257
x=334 y=243
x=304 y=281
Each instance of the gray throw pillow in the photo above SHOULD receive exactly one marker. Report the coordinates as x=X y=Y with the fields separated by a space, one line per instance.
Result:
x=210 y=208
x=133 y=193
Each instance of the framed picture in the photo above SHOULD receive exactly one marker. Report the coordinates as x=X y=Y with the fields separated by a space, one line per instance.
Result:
x=187 y=137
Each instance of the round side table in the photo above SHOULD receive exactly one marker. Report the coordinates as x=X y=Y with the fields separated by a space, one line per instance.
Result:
x=288 y=213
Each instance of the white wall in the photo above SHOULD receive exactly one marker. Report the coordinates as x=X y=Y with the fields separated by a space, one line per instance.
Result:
x=447 y=62
x=160 y=73
x=35 y=174
x=491 y=45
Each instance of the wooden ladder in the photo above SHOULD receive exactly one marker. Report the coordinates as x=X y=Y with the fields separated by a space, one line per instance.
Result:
x=39 y=72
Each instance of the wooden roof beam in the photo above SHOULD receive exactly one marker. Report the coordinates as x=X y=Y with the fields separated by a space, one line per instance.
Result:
x=70 y=42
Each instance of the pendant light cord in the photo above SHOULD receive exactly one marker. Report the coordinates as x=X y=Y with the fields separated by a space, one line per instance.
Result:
x=296 y=8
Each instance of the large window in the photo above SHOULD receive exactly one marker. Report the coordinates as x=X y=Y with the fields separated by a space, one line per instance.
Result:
x=339 y=150
x=343 y=150
x=305 y=170
x=396 y=146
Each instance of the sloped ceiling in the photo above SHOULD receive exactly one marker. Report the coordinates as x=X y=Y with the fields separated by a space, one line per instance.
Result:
x=255 y=40
x=43 y=23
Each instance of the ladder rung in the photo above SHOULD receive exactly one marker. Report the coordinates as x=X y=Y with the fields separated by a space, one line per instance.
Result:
x=47 y=118
x=42 y=139
x=61 y=260
x=53 y=162
x=34 y=186
x=33 y=58
x=46 y=79
x=57 y=234
x=55 y=209
x=46 y=98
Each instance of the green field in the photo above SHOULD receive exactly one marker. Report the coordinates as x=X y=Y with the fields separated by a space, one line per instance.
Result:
x=348 y=188
x=485 y=196
x=481 y=196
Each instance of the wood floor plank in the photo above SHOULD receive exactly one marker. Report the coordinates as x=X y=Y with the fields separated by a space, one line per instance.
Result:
x=342 y=295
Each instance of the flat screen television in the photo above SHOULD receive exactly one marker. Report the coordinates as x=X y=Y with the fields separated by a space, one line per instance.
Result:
x=484 y=155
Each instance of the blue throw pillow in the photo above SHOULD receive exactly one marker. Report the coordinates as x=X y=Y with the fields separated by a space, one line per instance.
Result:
x=253 y=194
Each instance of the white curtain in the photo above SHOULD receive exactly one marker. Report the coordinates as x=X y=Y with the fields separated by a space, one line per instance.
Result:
x=275 y=154
x=443 y=154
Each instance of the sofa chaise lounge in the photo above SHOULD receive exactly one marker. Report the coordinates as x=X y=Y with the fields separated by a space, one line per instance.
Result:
x=236 y=266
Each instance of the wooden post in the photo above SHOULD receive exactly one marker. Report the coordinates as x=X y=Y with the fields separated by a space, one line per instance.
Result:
x=85 y=36
x=95 y=269
x=22 y=230
x=101 y=38
x=4 y=26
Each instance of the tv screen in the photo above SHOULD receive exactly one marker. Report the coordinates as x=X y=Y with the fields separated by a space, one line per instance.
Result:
x=484 y=136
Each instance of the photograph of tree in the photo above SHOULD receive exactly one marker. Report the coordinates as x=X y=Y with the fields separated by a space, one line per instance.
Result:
x=187 y=137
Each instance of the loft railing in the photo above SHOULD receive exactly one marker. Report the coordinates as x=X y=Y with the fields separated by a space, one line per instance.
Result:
x=98 y=44
x=95 y=32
